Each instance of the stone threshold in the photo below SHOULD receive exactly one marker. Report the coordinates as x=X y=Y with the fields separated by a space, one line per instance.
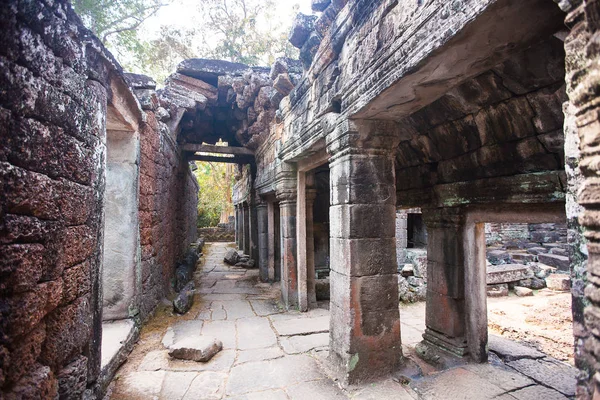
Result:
x=118 y=340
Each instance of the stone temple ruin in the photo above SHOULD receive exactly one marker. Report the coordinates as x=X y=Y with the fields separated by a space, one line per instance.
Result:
x=472 y=112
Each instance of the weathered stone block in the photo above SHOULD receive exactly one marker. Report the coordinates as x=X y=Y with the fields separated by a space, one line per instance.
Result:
x=363 y=256
x=362 y=221
x=559 y=282
x=497 y=257
x=523 y=291
x=554 y=260
x=499 y=290
x=195 y=348
x=302 y=26
x=185 y=299
x=507 y=273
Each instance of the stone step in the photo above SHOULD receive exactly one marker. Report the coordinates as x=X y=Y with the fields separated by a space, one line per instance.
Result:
x=555 y=260
x=507 y=273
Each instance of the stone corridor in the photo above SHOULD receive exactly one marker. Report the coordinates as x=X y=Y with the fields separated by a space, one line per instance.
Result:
x=272 y=354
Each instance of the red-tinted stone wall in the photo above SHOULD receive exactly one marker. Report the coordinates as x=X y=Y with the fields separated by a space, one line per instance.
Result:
x=168 y=210
x=52 y=155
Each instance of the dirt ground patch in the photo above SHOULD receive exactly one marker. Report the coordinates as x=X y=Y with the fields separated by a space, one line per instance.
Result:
x=543 y=320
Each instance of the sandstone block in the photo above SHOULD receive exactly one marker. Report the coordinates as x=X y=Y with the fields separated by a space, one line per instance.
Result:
x=500 y=290
x=231 y=257
x=523 y=291
x=302 y=27
x=558 y=282
x=532 y=283
x=507 y=273
x=555 y=260
x=537 y=250
x=497 y=257
x=283 y=84
x=195 y=348
x=185 y=299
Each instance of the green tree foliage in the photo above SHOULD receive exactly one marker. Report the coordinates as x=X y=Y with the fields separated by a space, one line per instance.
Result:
x=116 y=22
x=214 y=197
x=246 y=31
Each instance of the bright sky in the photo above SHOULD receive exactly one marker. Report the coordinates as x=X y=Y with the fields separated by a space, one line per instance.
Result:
x=181 y=14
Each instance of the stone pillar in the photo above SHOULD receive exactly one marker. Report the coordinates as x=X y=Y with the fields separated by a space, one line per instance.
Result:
x=286 y=194
x=301 y=243
x=237 y=226
x=253 y=230
x=271 y=240
x=263 y=241
x=246 y=231
x=445 y=308
x=311 y=194
x=365 y=322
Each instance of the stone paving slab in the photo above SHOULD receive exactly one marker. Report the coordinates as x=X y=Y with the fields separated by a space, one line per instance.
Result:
x=272 y=374
x=254 y=333
x=180 y=330
x=387 y=389
x=206 y=385
x=509 y=350
x=304 y=343
x=270 y=353
x=225 y=331
x=321 y=389
x=553 y=374
x=536 y=392
x=503 y=377
x=176 y=384
x=264 y=308
x=457 y=383
x=276 y=394
x=301 y=326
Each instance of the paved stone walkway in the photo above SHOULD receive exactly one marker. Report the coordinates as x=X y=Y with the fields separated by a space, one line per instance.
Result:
x=271 y=354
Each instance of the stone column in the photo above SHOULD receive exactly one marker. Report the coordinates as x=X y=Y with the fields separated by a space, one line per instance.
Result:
x=238 y=221
x=311 y=194
x=253 y=230
x=246 y=232
x=263 y=241
x=365 y=321
x=301 y=242
x=445 y=308
x=286 y=194
x=271 y=240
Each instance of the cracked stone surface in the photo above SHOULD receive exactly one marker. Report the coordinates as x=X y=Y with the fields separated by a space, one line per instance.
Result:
x=270 y=354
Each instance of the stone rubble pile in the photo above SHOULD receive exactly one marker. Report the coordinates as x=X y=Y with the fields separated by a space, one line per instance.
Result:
x=184 y=274
x=238 y=259
x=208 y=99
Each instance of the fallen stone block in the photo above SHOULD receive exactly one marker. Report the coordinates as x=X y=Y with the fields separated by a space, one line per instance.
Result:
x=497 y=257
x=500 y=290
x=523 y=291
x=185 y=299
x=541 y=270
x=537 y=250
x=246 y=264
x=532 y=283
x=509 y=350
x=559 y=251
x=302 y=27
x=522 y=258
x=195 y=348
x=232 y=257
x=407 y=270
x=507 y=273
x=555 y=260
x=558 y=282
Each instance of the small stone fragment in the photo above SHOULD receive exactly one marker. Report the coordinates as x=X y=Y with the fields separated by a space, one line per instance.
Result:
x=523 y=291
x=500 y=290
x=559 y=282
x=232 y=257
x=195 y=348
x=185 y=299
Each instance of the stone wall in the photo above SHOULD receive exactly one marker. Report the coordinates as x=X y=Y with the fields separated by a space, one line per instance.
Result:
x=221 y=233
x=52 y=157
x=581 y=128
x=61 y=93
x=168 y=200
